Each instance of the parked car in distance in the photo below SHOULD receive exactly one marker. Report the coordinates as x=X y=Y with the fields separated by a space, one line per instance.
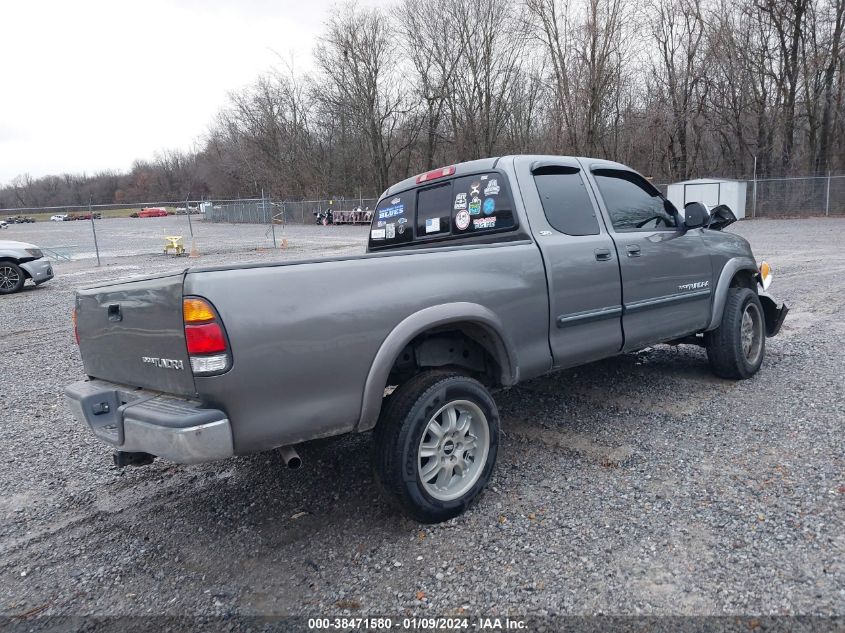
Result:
x=477 y=277
x=97 y=215
x=4 y=224
x=20 y=219
x=152 y=212
x=20 y=261
x=58 y=218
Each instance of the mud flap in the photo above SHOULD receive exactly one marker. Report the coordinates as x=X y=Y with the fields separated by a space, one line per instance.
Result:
x=773 y=314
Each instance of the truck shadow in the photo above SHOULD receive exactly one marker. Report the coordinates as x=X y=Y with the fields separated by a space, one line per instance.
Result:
x=335 y=488
x=289 y=529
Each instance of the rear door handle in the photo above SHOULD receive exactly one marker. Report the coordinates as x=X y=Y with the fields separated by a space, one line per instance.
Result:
x=633 y=250
x=602 y=254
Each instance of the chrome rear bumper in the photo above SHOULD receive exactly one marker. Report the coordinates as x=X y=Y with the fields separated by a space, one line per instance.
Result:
x=140 y=421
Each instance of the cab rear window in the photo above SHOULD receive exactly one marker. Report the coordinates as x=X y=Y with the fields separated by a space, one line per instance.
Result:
x=455 y=208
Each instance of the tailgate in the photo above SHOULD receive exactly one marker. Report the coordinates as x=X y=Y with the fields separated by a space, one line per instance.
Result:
x=132 y=333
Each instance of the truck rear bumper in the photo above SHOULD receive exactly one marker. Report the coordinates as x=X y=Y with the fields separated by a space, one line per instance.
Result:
x=136 y=420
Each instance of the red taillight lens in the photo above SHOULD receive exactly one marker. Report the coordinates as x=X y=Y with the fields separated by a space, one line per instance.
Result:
x=205 y=339
x=75 y=329
x=437 y=173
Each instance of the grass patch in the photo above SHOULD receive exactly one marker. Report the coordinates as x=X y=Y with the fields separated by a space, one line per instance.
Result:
x=45 y=216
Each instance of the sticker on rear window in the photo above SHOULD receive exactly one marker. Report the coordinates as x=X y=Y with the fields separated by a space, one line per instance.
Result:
x=391 y=212
x=462 y=220
x=484 y=223
x=475 y=206
x=432 y=225
x=377 y=234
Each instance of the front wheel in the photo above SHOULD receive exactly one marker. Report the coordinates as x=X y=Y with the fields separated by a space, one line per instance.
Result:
x=435 y=445
x=11 y=278
x=736 y=348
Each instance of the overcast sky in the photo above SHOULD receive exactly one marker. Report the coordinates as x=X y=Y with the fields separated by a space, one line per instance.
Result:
x=89 y=85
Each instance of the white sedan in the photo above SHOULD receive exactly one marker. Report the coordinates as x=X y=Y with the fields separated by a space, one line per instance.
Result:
x=58 y=218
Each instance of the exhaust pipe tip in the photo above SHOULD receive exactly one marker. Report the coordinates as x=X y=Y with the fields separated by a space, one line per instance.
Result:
x=292 y=459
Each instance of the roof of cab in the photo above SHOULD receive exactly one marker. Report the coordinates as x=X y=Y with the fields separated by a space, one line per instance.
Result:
x=482 y=164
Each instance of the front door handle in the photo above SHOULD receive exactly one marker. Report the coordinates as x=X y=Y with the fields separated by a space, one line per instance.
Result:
x=633 y=250
x=602 y=254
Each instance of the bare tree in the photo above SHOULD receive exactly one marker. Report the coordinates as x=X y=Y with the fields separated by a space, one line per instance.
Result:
x=361 y=80
x=678 y=73
x=432 y=44
x=491 y=35
x=585 y=49
x=674 y=88
x=787 y=19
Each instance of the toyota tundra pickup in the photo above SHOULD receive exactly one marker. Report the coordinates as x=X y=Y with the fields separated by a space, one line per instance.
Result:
x=476 y=277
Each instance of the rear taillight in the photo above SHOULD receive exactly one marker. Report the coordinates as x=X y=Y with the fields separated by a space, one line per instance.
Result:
x=434 y=175
x=204 y=337
x=207 y=338
x=75 y=329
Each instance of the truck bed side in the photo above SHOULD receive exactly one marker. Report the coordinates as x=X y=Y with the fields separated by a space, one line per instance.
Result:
x=304 y=337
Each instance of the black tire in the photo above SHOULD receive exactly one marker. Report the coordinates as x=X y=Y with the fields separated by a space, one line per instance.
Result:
x=12 y=278
x=403 y=426
x=728 y=354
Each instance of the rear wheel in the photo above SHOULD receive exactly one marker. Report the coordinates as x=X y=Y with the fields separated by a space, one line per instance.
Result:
x=11 y=278
x=435 y=445
x=736 y=348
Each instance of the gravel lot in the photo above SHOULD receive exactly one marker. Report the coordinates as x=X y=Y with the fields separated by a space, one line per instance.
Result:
x=121 y=237
x=636 y=485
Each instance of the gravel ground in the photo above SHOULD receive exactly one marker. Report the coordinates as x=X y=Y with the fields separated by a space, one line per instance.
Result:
x=636 y=485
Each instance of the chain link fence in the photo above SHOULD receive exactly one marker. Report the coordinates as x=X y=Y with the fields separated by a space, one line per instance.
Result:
x=197 y=227
x=334 y=225
x=796 y=197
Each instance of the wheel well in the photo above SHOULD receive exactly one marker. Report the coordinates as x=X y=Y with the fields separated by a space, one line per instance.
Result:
x=467 y=347
x=745 y=279
x=16 y=261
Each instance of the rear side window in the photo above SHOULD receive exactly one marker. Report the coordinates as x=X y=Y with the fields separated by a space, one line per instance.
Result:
x=565 y=200
x=450 y=209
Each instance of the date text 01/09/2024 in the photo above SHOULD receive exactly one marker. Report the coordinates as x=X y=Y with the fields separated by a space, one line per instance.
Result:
x=417 y=624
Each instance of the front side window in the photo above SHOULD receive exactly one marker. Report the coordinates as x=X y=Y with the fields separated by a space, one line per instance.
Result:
x=565 y=200
x=632 y=202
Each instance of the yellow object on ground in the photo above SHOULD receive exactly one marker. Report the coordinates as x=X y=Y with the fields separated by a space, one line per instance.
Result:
x=174 y=242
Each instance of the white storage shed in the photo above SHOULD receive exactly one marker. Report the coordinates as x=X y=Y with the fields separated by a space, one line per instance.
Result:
x=711 y=192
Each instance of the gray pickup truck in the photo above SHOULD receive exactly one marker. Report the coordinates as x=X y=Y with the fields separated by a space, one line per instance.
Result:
x=476 y=277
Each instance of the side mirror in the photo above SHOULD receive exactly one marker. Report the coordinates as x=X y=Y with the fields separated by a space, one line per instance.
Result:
x=695 y=215
x=720 y=217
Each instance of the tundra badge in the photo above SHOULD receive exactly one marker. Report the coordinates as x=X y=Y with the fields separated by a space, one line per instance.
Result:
x=164 y=363
x=694 y=285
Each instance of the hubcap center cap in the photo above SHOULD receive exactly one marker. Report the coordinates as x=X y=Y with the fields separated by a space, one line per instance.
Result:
x=448 y=447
